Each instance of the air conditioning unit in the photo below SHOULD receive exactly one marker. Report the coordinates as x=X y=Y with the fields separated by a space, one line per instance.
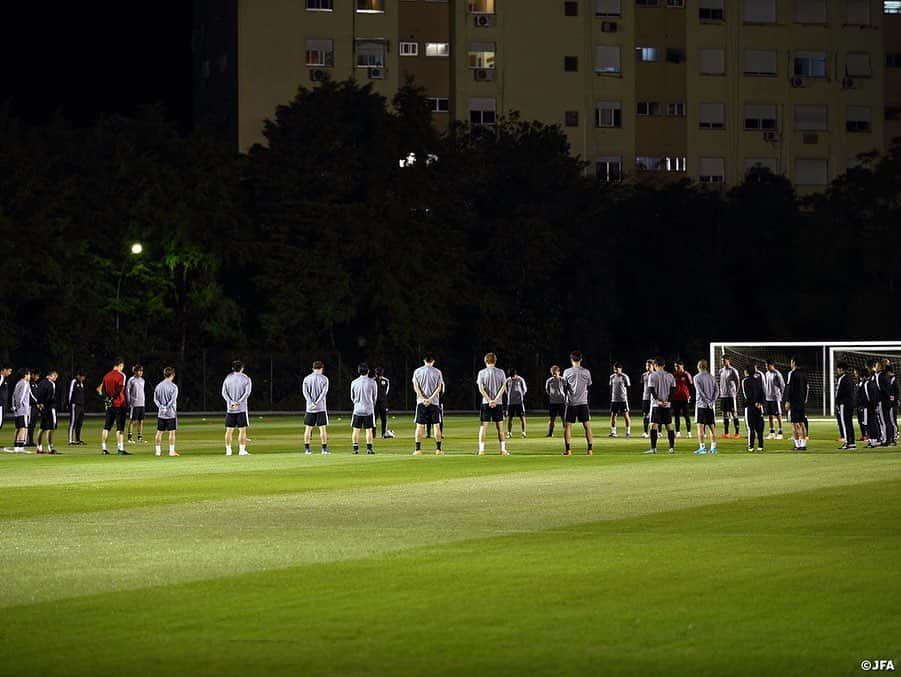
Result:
x=483 y=20
x=609 y=27
x=811 y=139
x=376 y=73
x=849 y=83
x=318 y=75
x=771 y=136
x=797 y=82
x=483 y=74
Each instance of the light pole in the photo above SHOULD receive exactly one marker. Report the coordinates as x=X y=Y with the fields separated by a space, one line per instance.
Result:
x=136 y=249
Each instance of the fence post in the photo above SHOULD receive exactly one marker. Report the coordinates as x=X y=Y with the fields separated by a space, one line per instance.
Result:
x=203 y=371
x=271 y=372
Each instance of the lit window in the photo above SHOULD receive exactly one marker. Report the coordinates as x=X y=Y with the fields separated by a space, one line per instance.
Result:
x=608 y=114
x=676 y=110
x=320 y=5
x=437 y=49
x=647 y=53
x=320 y=53
x=648 y=163
x=370 y=6
x=648 y=108
x=891 y=7
x=760 y=117
x=409 y=49
x=481 y=55
x=675 y=164
x=647 y=3
x=481 y=6
x=439 y=104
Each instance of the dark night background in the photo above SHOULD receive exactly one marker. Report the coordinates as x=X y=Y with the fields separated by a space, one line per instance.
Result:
x=320 y=247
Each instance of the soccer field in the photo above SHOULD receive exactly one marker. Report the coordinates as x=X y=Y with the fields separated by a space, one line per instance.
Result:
x=281 y=563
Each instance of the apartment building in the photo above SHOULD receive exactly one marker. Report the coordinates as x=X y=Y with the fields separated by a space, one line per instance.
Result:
x=699 y=88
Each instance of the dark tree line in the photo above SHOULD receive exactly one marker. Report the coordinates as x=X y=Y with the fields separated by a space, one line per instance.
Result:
x=320 y=242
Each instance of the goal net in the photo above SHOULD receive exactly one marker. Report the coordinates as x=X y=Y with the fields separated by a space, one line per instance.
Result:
x=818 y=358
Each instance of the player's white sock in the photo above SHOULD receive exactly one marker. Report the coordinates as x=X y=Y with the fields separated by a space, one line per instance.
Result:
x=481 y=447
x=158 y=450
x=628 y=430
x=228 y=450
x=171 y=448
x=242 y=448
x=701 y=446
x=121 y=446
x=503 y=445
x=103 y=445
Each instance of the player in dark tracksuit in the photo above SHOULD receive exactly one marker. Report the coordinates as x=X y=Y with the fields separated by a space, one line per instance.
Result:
x=381 y=402
x=861 y=376
x=33 y=420
x=845 y=404
x=76 y=408
x=894 y=396
x=755 y=399
x=873 y=398
x=5 y=394
x=884 y=381
x=796 y=391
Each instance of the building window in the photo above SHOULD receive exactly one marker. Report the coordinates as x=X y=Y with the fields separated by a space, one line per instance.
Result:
x=437 y=49
x=857 y=65
x=320 y=53
x=648 y=108
x=609 y=169
x=608 y=7
x=606 y=59
x=481 y=6
x=608 y=114
x=760 y=11
x=571 y=118
x=647 y=3
x=858 y=119
x=647 y=53
x=712 y=116
x=858 y=12
x=760 y=117
x=675 y=110
x=481 y=55
x=675 y=164
x=891 y=6
x=677 y=4
x=370 y=53
x=810 y=64
x=810 y=11
x=370 y=6
x=760 y=62
x=712 y=170
x=320 y=5
x=482 y=111
x=710 y=10
x=811 y=172
x=675 y=55
x=409 y=49
x=570 y=8
x=570 y=63
x=761 y=162
x=893 y=60
x=648 y=163
x=811 y=117
x=438 y=104
x=713 y=62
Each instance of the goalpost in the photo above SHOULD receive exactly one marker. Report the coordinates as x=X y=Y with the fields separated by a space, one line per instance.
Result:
x=817 y=357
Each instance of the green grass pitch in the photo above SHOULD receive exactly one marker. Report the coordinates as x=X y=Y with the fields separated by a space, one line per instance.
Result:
x=280 y=563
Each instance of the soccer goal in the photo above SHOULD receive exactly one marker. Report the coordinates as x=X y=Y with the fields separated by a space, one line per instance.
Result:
x=817 y=357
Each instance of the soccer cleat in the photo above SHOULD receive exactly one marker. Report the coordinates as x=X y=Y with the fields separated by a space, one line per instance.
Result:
x=159 y=453
x=700 y=451
x=589 y=453
x=509 y=435
x=750 y=450
x=628 y=435
x=131 y=441
x=326 y=452
x=104 y=452
x=54 y=452
x=39 y=451
x=356 y=452
x=568 y=452
x=712 y=450
x=228 y=452
x=524 y=435
x=645 y=435
x=439 y=452
x=758 y=450
x=650 y=451
x=370 y=452
x=418 y=452
x=244 y=453
x=678 y=433
x=771 y=436
x=504 y=452
x=736 y=436
x=307 y=452
x=848 y=446
x=671 y=451
x=174 y=453
x=612 y=435
x=481 y=453
x=779 y=436
x=122 y=452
